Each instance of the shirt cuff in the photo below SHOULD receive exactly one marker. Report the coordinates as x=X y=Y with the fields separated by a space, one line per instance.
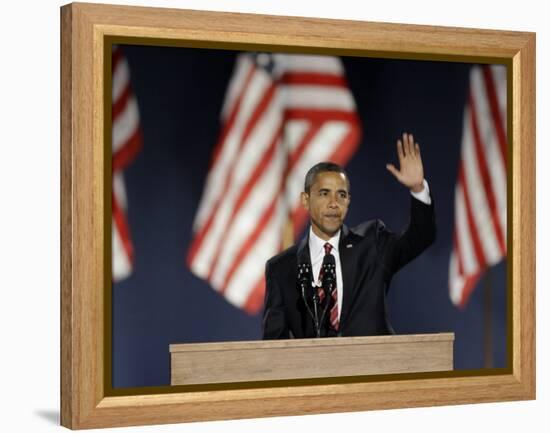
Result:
x=424 y=195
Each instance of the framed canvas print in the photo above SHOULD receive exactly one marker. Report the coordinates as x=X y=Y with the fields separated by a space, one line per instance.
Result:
x=186 y=139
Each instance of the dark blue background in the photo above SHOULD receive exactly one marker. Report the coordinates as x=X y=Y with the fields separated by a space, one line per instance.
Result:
x=180 y=92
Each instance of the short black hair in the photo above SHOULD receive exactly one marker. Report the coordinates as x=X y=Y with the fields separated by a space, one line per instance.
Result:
x=323 y=167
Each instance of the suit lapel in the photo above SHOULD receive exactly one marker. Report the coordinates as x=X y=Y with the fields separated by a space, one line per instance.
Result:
x=345 y=250
x=303 y=250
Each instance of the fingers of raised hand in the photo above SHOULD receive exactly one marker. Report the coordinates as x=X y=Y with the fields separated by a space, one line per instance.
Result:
x=417 y=149
x=400 y=150
x=406 y=146
x=409 y=147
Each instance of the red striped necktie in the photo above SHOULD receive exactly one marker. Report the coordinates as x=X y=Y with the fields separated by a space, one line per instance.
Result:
x=334 y=294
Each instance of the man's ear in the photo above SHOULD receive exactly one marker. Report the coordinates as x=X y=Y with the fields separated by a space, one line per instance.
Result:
x=304 y=197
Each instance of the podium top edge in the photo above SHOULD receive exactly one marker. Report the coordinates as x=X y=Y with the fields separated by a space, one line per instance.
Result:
x=312 y=342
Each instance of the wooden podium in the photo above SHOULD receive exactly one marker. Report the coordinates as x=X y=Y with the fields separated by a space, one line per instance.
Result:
x=204 y=363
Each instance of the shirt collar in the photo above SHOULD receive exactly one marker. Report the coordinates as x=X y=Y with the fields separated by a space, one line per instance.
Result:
x=316 y=244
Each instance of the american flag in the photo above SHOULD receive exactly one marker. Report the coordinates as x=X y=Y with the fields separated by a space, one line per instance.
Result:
x=127 y=141
x=480 y=195
x=281 y=115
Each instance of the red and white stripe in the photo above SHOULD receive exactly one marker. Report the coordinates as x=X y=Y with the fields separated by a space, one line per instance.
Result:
x=275 y=126
x=479 y=238
x=127 y=141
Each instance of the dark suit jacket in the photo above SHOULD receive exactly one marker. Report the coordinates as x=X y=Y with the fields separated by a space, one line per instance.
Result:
x=369 y=255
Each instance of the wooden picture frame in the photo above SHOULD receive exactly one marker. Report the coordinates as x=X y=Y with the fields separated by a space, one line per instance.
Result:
x=85 y=398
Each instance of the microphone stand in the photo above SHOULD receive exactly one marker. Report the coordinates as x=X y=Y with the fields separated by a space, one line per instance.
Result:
x=316 y=312
x=304 y=277
x=328 y=280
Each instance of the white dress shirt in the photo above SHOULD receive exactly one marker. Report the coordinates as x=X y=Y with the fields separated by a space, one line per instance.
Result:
x=317 y=250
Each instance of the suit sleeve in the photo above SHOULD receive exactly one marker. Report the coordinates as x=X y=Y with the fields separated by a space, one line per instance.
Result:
x=274 y=320
x=419 y=235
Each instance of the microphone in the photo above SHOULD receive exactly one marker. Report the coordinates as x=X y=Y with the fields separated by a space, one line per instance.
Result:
x=304 y=275
x=329 y=272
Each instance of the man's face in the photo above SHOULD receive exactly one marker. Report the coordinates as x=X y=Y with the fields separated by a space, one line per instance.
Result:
x=327 y=203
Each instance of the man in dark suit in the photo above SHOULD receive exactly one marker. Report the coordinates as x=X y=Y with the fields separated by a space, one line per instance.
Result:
x=302 y=301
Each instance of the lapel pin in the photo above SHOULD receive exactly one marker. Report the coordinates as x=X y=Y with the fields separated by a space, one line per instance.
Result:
x=349 y=245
